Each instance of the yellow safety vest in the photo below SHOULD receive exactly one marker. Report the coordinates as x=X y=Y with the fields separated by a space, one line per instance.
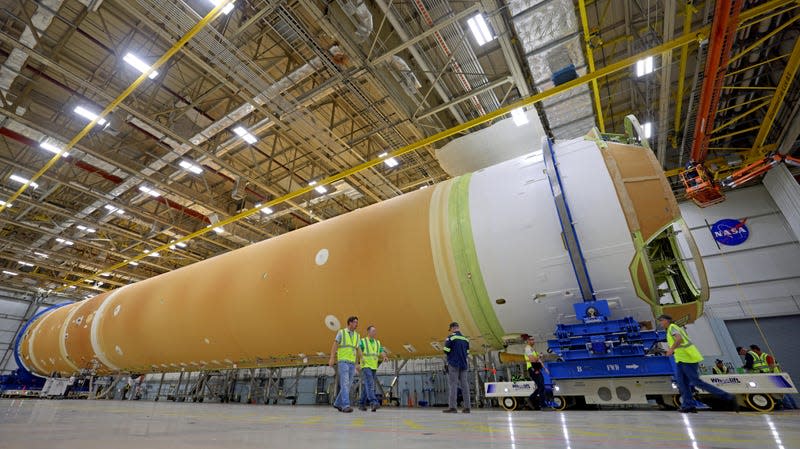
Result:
x=760 y=364
x=529 y=362
x=686 y=352
x=716 y=370
x=370 y=350
x=347 y=346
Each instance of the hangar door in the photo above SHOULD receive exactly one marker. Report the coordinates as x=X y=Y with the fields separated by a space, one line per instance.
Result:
x=783 y=334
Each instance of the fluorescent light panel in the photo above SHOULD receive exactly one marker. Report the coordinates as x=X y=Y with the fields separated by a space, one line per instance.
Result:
x=64 y=242
x=111 y=208
x=149 y=191
x=188 y=166
x=227 y=9
x=477 y=24
x=321 y=189
x=241 y=132
x=644 y=66
x=138 y=64
x=21 y=180
x=42 y=255
x=87 y=114
x=648 y=130
x=10 y=273
x=85 y=229
x=25 y=264
x=52 y=148
x=391 y=162
x=135 y=264
x=3 y=203
x=219 y=230
x=519 y=116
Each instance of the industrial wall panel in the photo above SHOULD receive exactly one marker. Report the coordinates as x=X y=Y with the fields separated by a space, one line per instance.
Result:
x=785 y=191
x=761 y=275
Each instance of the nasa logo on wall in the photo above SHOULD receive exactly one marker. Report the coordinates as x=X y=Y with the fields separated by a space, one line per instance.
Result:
x=730 y=232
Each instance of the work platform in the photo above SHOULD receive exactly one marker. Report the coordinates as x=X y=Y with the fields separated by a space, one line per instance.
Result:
x=33 y=424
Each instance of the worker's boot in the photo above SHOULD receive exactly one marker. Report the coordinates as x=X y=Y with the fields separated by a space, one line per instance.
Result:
x=466 y=410
x=449 y=410
x=362 y=407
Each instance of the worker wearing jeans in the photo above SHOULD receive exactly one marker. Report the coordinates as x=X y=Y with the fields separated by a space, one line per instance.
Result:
x=345 y=348
x=371 y=349
x=456 y=346
x=687 y=373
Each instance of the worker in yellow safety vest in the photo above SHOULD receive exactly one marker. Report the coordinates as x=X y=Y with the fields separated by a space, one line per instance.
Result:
x=534 y=366
x=720 y=368
x=760 y=360
x=687 y=362
x=371 y=350
x=347 y=352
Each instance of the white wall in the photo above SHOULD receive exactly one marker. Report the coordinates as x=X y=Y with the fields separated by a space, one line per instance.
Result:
x=759 y=278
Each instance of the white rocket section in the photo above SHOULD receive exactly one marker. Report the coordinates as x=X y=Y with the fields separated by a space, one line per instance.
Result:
x=532 y=271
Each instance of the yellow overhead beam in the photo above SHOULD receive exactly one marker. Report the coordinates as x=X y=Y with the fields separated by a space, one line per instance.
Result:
x=74 y=141
x=590 y=57
x=784 y=84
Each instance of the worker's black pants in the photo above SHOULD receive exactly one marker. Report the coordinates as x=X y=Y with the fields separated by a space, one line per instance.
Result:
x=537 y=398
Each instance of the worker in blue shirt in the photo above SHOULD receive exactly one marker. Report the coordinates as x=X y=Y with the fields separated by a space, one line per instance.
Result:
x=456 y=347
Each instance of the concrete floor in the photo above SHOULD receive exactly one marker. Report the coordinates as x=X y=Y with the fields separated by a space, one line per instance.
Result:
x=34 y=424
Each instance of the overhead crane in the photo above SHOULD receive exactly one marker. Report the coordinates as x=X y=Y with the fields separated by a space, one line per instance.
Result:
x=703 y=180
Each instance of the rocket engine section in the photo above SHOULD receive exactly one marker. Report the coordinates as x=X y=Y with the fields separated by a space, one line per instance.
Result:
x=486 y=249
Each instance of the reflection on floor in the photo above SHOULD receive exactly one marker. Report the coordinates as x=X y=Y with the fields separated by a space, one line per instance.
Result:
x=33 y=424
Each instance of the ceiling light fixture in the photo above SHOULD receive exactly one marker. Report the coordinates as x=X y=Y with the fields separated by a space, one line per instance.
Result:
x=644 y=66
x=391 y=162
x=42 y=255
x=53 y=148
x=21 y=180
x=519 y=116
x=188 y=166
x=111 y=208
x=10 y=273
x=64 y=242
x=319 y=188
x=25 y=264
x=648 y=130
x=139 y=65
x=480 y=29
x=241 y=132
x=227 y=9
x=149 y=191
x=3 y=203
x=87 y=114
x=135 y=264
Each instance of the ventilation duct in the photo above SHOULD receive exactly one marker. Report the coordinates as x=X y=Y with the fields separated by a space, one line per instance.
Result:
x=360 y=14
x=407 y=78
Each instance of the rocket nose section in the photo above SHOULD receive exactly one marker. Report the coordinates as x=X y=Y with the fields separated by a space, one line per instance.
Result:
x=22 y=343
